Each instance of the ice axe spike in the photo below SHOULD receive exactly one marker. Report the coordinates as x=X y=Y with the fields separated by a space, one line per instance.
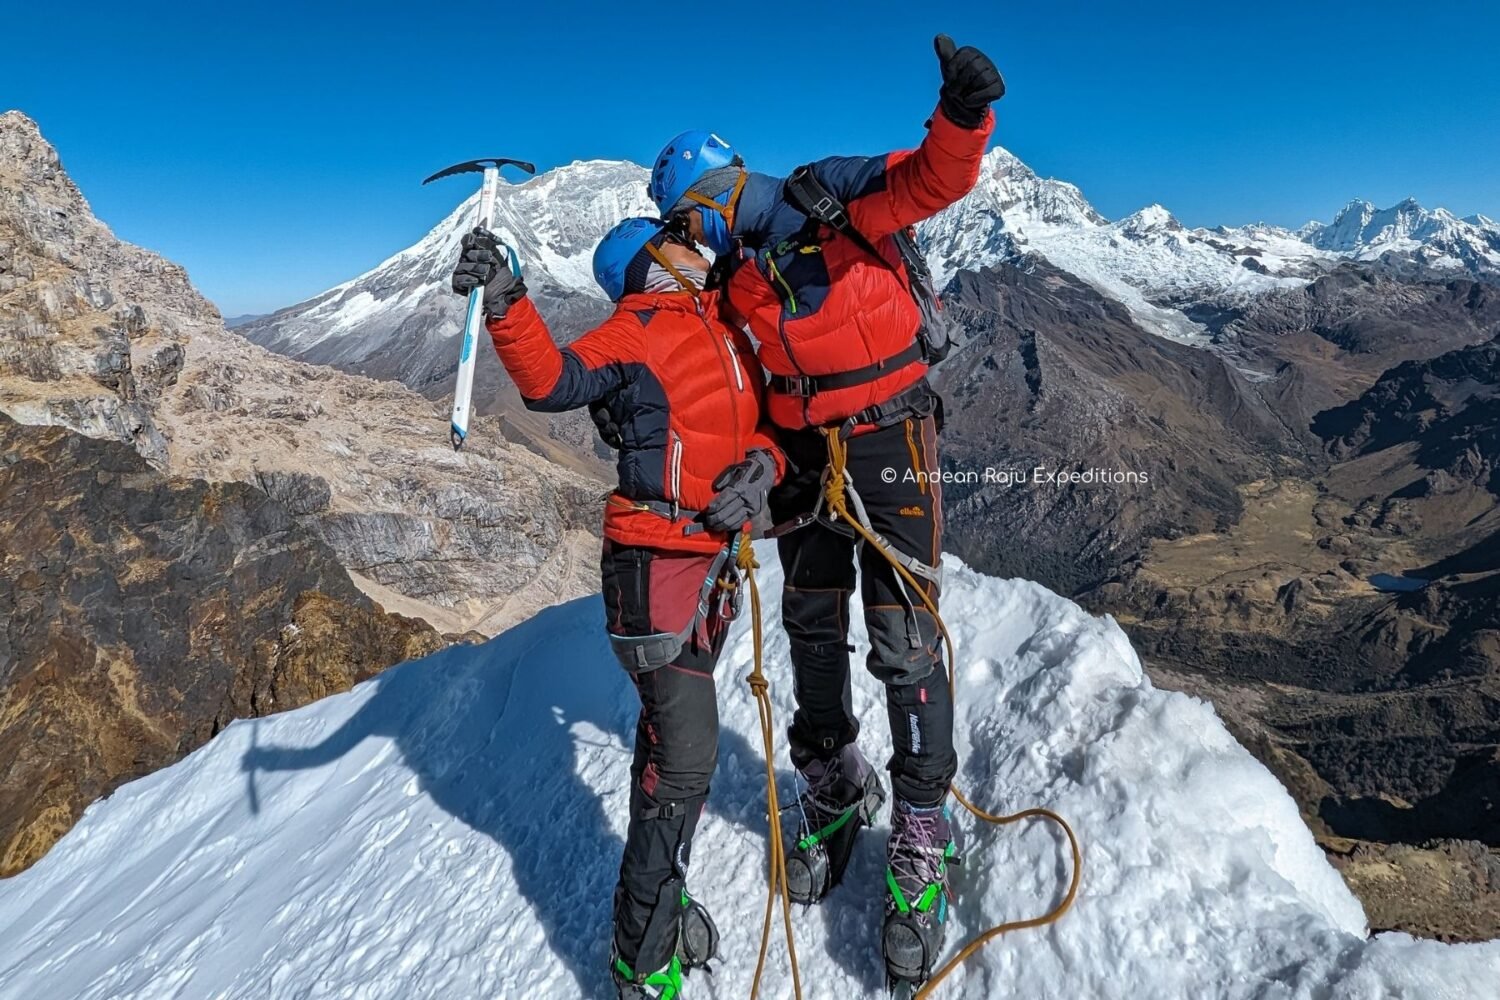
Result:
x=458 y=428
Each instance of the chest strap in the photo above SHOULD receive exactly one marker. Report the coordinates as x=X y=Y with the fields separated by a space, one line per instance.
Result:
x=810 y=385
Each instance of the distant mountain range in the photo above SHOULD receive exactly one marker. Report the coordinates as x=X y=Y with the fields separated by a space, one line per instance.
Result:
x=399 y=319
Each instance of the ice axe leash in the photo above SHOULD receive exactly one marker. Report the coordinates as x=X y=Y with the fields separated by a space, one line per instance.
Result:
x=463 y=391
x=837 y=489
x=776 y=883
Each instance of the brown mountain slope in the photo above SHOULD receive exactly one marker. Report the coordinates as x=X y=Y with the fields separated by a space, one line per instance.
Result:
x=113 y=341
x=140 y=614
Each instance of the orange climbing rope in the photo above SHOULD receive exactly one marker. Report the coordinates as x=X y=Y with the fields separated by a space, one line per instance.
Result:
x=776 y=877
x=835 y=496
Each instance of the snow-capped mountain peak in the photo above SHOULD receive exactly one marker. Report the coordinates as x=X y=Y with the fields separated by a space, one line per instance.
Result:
x=1436 y=237
x=1009 y=205
x=399 y=318
x=403 y=309
x=1151 y=219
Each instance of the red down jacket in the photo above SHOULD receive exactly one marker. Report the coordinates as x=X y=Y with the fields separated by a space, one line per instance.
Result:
x=684 y=388
x=836 y=309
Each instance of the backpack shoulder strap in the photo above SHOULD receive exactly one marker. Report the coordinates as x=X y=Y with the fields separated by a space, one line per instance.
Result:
x=804 y=192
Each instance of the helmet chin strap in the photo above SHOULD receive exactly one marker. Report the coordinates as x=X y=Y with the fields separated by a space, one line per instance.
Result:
x=661 y=258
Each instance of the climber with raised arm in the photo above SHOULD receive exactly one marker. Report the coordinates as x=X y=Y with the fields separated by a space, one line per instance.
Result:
x=822 y=267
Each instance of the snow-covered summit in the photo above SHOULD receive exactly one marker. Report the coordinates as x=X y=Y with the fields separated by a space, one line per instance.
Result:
x=1148 y=260
x=1437 y=236
x=1009 y=206
x=452 y=829
x=554 y=221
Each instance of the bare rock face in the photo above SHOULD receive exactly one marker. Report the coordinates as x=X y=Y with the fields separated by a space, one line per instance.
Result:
x=366 y=466
x=141 y=613
x=1447 y=889
x=114 y=342
x=78 y=345
x=1056 y=377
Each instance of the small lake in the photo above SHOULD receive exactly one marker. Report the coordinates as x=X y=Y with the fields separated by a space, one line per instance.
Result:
x=1397 y=584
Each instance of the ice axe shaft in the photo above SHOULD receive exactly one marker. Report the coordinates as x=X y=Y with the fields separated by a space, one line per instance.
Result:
x=463 y=392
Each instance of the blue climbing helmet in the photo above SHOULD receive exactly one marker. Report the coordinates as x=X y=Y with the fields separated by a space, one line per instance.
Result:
x=619 y=249
x=683 y=161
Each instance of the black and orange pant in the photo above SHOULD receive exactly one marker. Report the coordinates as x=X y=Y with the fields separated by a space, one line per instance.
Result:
x=890 y=467
x=676 y=742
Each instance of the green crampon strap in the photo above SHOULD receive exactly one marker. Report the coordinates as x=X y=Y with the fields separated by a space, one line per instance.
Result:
x=813 y=839
x=929 y=894
x=670 y=977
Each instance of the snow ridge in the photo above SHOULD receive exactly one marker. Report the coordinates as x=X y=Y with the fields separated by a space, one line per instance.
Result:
x=1437 y=237
x=452 y=827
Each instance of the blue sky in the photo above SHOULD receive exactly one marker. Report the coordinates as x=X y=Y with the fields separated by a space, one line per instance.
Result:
x=276 y=148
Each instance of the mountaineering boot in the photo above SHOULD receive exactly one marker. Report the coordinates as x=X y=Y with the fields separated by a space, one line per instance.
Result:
x=697 y=945
x=923 y=845
x=663 y=984
x=843 y=794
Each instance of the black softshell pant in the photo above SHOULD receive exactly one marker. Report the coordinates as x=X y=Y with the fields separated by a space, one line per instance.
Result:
x=676 y=744
x=889 y=467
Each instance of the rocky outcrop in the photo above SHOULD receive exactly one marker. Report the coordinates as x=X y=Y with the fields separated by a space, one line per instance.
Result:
x=365 y=467
x=1448 y=407
x=113 y=341
x=141 y=613
x=79 y=346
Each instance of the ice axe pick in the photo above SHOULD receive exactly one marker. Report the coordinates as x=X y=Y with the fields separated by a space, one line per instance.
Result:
x=463 y=392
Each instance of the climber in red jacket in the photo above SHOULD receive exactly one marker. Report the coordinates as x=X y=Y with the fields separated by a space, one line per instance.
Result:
x=821 y=267
x=695 y=466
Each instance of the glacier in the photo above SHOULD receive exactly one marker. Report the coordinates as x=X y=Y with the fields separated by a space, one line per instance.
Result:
x=451 y=829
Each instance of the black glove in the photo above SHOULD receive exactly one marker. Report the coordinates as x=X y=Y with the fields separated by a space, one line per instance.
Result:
x=484 y=263
x=970 y=83
x=604 y=422
x=740 y=493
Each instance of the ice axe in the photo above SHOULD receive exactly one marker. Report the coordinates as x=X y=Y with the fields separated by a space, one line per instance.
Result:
x=464 y=390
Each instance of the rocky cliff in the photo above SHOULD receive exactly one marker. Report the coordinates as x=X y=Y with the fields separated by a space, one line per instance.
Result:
x=141 y=613
x=113 y=341
x=179 y=533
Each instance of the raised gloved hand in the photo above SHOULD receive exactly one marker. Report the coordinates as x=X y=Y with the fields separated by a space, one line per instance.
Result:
x=970 y=83
x=740 y=493
x=482 y=262
x=604 y=423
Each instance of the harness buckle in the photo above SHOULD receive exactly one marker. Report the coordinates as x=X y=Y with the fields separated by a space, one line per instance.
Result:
x=798 y=385
x=829 y=210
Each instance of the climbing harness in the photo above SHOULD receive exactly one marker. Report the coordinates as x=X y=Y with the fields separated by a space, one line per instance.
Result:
x=839 y=494
x=717 y=594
